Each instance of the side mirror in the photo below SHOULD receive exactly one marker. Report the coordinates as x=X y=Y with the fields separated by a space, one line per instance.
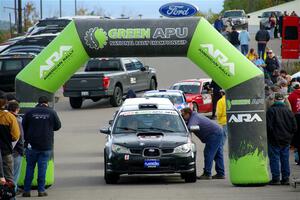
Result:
x=143 y=69
x=248 y=16
x=259 y=16
x=105 y=131
x=194 y=128
x=110 y=122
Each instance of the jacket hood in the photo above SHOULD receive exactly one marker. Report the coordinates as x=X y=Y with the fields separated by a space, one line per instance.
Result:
x=3 y=112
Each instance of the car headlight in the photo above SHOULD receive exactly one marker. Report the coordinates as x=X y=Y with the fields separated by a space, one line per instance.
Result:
x=120 y=149
x=185 y=148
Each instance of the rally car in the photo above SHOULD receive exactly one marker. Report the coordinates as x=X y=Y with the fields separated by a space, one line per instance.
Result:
x=175 y=96
x=197 y=93
x=148 y=136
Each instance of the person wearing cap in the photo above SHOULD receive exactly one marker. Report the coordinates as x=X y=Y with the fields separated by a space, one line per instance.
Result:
x=281 y=126
x=9 y=132
x=221 y=114
x=294 y=99
x=271 y=98
x=272 y=62
x=39 y=125
x=212 y=135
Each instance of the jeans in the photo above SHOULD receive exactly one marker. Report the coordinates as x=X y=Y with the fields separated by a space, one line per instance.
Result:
x=8 y=167
x=261 y=47
x=40 y=158
x=244 y=49
x=225 y=133
x=213 y=151
x=279 y=156
x=17 y=168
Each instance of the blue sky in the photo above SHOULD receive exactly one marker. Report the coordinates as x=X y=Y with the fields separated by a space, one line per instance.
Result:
x=114 y=8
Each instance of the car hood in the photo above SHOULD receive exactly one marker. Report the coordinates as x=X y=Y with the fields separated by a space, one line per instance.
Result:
x=150 y=139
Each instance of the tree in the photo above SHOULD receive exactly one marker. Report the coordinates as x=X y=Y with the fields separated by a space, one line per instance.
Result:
x=31 y=15
x=82 y=11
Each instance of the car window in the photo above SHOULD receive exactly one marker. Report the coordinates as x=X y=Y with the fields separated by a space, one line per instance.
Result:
x=130 y=67
x=174 y=98
x=150 y=120
x=188 y=88
x=26 y=61
x=205 y=88
x=138 y=65
x=103 y=65
x=291 y=33
x=11 y=65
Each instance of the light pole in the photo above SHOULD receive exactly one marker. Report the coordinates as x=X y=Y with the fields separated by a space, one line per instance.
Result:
x=59 y=8
x=41 y=8
x=140 y=16
x=75 y=7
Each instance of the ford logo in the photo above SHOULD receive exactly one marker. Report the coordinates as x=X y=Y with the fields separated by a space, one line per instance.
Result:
x=178 y=10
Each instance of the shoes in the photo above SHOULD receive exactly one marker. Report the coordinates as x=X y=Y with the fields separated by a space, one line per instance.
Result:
x=285 y=181
x=274 y=182
x=217 y=176
x=204 y=177
x=26 y=194
x=42 y=194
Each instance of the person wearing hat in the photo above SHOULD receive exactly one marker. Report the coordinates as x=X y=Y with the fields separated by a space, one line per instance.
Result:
x=272 y=62
x=221 y=114
x=281 y=126
x=9 y=132
x=39 y=125
x=294 y=99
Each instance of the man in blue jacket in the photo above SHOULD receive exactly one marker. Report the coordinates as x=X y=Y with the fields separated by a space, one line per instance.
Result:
x=212 y=135
x=39 y=125
x=219 y=24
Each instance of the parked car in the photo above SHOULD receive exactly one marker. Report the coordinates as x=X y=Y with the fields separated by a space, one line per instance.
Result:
x=175 y=96
x=148 y=136
x=238 y=18
x=109 y=78
x=264 y=21
x=197 y=93
x=16 y=56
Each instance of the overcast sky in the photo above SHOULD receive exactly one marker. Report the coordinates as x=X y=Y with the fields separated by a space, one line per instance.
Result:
x=114 y=8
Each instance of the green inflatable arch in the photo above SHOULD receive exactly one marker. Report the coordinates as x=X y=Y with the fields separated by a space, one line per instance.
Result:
x=192 y=37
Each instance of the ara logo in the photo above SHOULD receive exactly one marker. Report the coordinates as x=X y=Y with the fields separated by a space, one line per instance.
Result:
x=54 y=59
x=220 y=57
x=245 y=118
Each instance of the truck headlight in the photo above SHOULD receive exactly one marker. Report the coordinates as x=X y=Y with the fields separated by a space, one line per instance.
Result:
x=185 y=148
x=120 y=149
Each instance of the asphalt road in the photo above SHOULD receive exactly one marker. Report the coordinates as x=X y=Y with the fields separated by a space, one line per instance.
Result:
x=79 y=156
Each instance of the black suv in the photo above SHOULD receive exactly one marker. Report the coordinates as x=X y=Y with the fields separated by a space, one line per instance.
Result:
x=148 y=136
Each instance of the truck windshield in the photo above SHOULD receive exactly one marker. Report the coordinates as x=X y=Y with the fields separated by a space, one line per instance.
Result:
x=233 y=14
x=103 y=65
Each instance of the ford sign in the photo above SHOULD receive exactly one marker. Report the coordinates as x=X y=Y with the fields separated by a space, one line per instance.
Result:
x=178 y=10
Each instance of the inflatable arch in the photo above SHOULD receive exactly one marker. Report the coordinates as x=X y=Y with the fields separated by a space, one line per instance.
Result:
x=192 y=37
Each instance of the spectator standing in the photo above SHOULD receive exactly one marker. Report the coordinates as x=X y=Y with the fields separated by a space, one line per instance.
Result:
x=294 y=14
x=262 y=37
x=221 y=114
x=234 y=38
x=212 y=135
x=294 y=99
x=39 y=125
x=18 y=151
x=272 y=62
x=280 y=22
x=244 y=39
x=225 y=33
x=9 y=132
x=216 y=95
x=281 y=126
x=272 y=22
x=218 y=24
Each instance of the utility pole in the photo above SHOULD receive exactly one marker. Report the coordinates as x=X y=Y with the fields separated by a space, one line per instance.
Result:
x=19 y=16
x=10 y=28
x=41 y=8
x=75 y=7
x=16 y=14
x=59 y=8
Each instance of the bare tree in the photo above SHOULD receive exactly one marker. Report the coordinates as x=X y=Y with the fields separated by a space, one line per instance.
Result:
x=31 y=15
x=82 y=11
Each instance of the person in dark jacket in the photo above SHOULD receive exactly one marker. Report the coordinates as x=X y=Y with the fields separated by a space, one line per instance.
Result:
x=39 y=125
x=130 y=94
x=262 y=37
x=9 y=132
x=281 y=126
x=218 y=24
x=2 y=178
x=234 y=38
x=18 y=151
x=216 y=95
x=212 y=135
x=272 y=62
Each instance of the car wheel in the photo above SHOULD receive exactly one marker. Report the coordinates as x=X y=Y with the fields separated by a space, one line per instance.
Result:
x=153 y=85
x=75 y=102
x=195 y=107
x=190 y=177
x=110 y=178
x=117 y=98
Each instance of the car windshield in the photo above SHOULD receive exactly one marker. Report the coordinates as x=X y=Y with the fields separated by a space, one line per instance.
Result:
x=149 y=121
x=103 y=65
x=188 y=88
x=268 y=14
x=175 y=98
x=233 y=14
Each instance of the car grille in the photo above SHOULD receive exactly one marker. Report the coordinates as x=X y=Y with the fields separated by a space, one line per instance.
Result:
x=136 y=151
x=140 y=151
x=167 y=151
x=151 y=152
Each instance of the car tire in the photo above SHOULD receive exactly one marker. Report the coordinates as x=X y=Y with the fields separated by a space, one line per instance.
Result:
x=195 y=107
x=190 y=177
x=110 y=178
x=117 y=99
x=75 y=102
x=153 y=84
